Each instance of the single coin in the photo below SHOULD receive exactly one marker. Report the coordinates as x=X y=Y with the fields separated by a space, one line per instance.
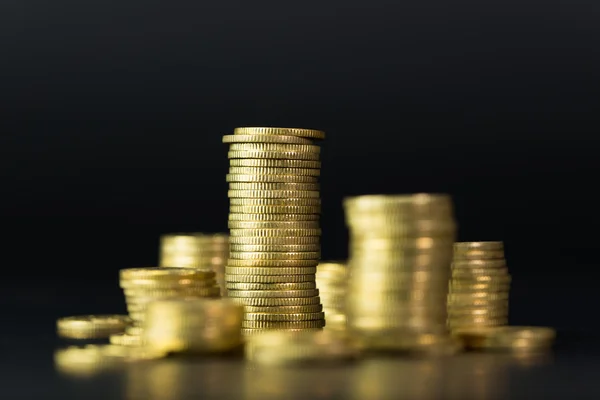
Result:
x=479 y=255
x=274 y=163
x=479 y=279
x=521 y=338
x=282 y=263
x=272 y=193
x=276 y=301
x=275 y=240
x=477 y=312
x=301 y=132
x=315 y=308
x=134 y=330
x=475 y=272
x=319 y=323
x=273 y=224
x=164 y=273
x=288 y=255
x=275 y=147
x=231 y=278
x=478 y=264
x=248 y=332
x=268 y=271
x=315 y=172
x=284 y=317
x=273 y=293
x=151 y=284
x=274 y=232
x=274 y=186
x=456 y=322
x=161 y=293
x=275 y=248
x=482 y=302
x=271 y=286
x=477 y=295
x=123 y=339
x=271 y=179
x=275 y=155
x=288 y=201
x=275 y=209
x=466 y=246
x=266 y=139
x=274 y=217
x=91 y=326
x=456 y=287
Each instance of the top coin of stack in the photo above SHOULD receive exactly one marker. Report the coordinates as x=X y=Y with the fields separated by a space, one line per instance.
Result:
x=400 y=254
x=196 y=250
x=479 y=287
x=274 y=227
x=332 y=279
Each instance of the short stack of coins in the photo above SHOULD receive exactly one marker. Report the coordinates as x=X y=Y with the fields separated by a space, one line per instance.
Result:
x=479 y=287
x=196 y=250
x=332 y=280
x=274 y=227
x=142 y=286
x=400 y=254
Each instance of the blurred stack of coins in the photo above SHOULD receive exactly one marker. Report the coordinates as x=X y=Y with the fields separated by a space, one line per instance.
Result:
x=479 y=287
x=274 y=226
x=142 y=286
x=196 y=250
x=400 y=254
x=332 y=279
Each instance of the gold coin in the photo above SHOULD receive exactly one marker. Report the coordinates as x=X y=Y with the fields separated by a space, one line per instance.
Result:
x=308 y=148
x=275 y=232
x=521 y=338
x=274 y=163
x=262 y=279
x=456 y=287
x=271 y=286
x=276 y=241
x=275 y=248
x=472 y=273
x=301 y=132
x=410 y=202
x=479 y=279
x=319 y=323
x=479 y=255
x=273 y=293
x=274 y=217
x=315 y=308
x=467 y=246
x=266 y=139
x=255 y=331
x=164 y=273
x=269 y=271
x=481 y=302
x=477 y=312
x=170 y=284
x=134 y=330
x=91 y=326
x=275 y=202
x=283 y=317
x=238 y=178
x=194 y=292
x=274 y=155
x=288 y=255
x=123 y=339
x=274 y=186
x=272 y=193
x=275 y=209
x=276 y=301
x=278 y=264
x=455 y=322
x=477 y=295
x=273 y=224
x=314 y=172
x=478 y=264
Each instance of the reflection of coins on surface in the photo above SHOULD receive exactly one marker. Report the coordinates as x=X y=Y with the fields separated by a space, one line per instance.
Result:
x=91 y=326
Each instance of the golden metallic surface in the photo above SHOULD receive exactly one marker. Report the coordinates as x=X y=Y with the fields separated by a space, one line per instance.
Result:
x=274 y=163
x=267 y=279
x=478 y=264
x=193 y=326
x=315 y=308
x=271 y=286
x=276 y=240
x=273 y=218
x=288 y=201
x=270 y=271
x=164 y=274
x=275 y=264
x=275 y=256
x=124 y=339
x=332 y=281
x=275 y=232
x=276 y=301
x=257 y=331
x=273 y=293
x=468 y=246
x=91 y=326
x=273 y=225
x=266 y=171
x=475 y=273
x=274 y=186
x=284 y=317
x=272 y=194
x=479 y=255
x=274 y=247
x=309 y=148
x=239 y=178
x=154 y=285
x=275 y=209
x=283 y=139
x=318 y=323
x=276 y=131
x=175 y=292
x=276 y=155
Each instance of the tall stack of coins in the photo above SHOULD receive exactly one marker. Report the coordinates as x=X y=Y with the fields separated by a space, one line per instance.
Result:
x=142 y=286
x=400 y=254
x=479 y=287
x=196 y=250
x=332 y=279
x=274 y=227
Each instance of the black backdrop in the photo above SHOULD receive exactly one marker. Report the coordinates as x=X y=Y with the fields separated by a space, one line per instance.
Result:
x=113 y=114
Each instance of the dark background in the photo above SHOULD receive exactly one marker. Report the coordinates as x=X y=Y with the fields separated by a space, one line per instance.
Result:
x=113 y=114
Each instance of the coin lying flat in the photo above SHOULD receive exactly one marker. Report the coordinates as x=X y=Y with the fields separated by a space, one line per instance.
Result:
x=91 y=326
x=239 y=178
x=300 y=132
x=283 y=139
x=266 y=171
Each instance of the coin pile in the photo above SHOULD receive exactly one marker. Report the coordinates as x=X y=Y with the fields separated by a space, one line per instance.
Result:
x=332 y=278
x=142 y=286
x=479 y=287
x=400 y=254
x=274 y=227
x=196 y=250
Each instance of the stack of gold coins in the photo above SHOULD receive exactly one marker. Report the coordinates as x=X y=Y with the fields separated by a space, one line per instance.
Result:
x=479 y=287
x=400 y=254
x=332 y=279
x=274 y=227
x=196 y=250
x=145 y=285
